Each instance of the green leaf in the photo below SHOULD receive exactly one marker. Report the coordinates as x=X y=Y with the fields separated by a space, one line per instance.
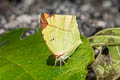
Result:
x=110 y=31
x=107 y=67
x=30 y=59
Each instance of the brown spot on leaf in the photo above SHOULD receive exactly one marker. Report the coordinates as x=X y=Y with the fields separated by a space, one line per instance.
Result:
x=91 y=40
x=111 y=40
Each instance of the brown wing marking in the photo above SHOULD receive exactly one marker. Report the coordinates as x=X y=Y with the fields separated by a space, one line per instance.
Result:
x=43 y=20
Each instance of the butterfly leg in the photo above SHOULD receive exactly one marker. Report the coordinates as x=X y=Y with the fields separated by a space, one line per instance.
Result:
x=60 y=63
x=55 y=63
x=63 y=61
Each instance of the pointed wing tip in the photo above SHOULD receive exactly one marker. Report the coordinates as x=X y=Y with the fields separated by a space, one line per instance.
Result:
x=45 y=15
x=43 y=20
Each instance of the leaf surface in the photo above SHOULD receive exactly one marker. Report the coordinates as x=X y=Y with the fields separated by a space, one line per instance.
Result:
x=30 y=59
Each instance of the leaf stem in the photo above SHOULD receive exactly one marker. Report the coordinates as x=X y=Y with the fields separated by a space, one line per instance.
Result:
x=105 y=44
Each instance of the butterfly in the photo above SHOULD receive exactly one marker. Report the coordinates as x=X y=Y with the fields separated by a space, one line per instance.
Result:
x=61 y=34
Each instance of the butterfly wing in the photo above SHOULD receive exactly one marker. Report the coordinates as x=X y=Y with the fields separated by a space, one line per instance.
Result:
x=60 y=33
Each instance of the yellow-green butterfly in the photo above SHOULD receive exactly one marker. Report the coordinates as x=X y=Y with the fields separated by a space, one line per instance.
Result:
x=61 y=35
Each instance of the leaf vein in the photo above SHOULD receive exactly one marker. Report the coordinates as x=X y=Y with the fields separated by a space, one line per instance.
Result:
x=20 y=67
